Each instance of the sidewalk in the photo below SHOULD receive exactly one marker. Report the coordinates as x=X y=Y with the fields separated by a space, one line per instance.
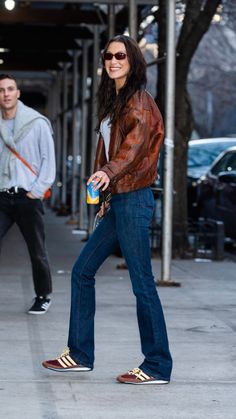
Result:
x=201 y=324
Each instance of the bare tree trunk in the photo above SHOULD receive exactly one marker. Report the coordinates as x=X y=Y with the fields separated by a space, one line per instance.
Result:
x=198 y=17
x=183 y=130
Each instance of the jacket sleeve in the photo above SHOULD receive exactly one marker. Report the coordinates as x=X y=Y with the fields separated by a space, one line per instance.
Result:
x=46 y=173
x=134 y=146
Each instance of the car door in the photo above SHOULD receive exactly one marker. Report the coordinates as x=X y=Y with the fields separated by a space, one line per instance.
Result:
x=224 y=192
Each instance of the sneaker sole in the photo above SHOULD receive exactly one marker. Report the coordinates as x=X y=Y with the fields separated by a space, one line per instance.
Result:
x=142 y=383
x=82 y=369
x=37 y=312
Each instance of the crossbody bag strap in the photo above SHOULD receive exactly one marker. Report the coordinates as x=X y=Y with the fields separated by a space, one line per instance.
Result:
x=47 y=193
x=21 y=159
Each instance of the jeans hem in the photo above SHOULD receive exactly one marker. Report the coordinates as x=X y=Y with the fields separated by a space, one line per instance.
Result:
x=153 y=374
x=79 y=360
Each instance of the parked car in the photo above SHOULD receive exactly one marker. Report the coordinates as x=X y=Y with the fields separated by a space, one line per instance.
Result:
x=201 y=154
x=217 y=192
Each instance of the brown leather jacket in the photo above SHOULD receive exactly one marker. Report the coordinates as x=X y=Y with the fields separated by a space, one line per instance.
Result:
x=135 y=143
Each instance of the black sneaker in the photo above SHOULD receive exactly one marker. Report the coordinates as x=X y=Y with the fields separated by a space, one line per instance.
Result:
x=40 y=306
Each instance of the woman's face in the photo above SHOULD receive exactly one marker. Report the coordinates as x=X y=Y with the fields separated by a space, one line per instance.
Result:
x=117 y=69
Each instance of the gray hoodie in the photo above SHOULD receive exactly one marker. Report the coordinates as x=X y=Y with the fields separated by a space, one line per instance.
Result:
x=32 y=139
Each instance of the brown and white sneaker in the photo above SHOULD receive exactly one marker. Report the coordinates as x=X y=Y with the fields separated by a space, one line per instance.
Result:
x=137 y=376
x=65 y=363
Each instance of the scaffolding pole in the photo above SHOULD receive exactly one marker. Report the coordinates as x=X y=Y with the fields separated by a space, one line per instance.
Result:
x=132 y=18
x=75 y=138
x=169 y=150
x=83 y=151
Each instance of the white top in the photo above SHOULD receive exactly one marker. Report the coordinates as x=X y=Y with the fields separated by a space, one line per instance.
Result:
x=105 y=129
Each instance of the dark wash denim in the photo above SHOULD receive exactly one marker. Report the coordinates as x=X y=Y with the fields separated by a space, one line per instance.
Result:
x=127 y=223
x=28 y=214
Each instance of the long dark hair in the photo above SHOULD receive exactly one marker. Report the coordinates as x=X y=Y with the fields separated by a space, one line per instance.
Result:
x=110 y=103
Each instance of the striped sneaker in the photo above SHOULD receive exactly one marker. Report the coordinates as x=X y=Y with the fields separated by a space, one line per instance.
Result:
x=137 y=376
x=65 y=363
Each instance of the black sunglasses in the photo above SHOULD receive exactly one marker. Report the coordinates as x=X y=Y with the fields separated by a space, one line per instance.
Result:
x=107 y=56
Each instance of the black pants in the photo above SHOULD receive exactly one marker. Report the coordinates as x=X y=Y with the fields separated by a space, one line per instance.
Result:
x=28 y=215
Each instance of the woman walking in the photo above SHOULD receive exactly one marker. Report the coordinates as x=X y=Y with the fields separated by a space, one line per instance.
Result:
x=130 y=136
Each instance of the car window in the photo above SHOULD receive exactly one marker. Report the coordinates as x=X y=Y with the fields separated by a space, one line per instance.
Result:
x=204 y=154
x=225 y=164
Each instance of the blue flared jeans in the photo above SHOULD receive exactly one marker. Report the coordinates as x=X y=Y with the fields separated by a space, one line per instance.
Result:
x=127 y=224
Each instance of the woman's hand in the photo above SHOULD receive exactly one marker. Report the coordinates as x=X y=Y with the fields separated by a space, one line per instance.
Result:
x=99 y=180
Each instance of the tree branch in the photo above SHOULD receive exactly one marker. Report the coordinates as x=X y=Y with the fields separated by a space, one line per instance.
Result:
x=196 y=23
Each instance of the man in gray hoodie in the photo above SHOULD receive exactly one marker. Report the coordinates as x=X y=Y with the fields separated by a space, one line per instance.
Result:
x=27 y=170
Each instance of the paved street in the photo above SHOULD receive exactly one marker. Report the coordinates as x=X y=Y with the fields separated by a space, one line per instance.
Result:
x=201 y=323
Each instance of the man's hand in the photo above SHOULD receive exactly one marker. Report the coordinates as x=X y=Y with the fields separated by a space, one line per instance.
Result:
x=31 y=196
x=99 y=180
